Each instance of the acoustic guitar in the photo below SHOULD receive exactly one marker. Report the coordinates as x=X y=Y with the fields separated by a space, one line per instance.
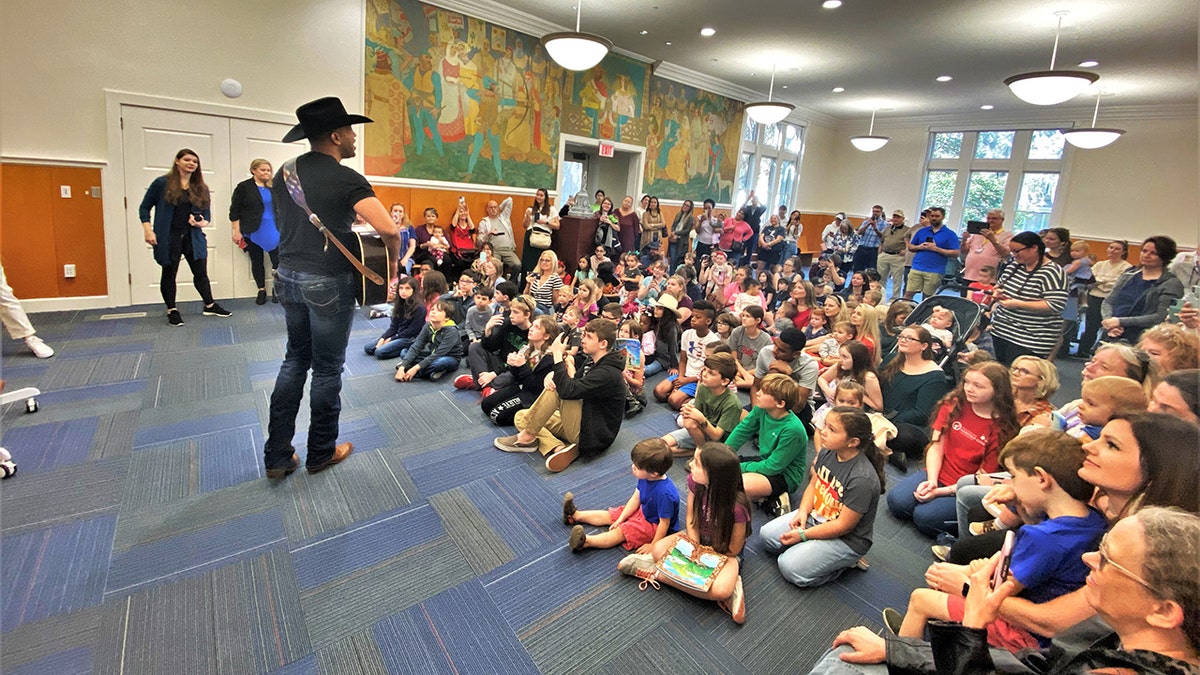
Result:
x=374 y=255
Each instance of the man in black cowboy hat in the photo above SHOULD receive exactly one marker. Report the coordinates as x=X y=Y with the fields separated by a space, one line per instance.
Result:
x=316 y=283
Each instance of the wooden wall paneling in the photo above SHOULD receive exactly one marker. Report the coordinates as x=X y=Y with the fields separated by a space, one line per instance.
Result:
x=28 y=242
x=78 y=228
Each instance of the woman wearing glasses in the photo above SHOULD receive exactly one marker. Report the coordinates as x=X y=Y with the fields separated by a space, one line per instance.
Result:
x=1030 y=297
x=912 y=383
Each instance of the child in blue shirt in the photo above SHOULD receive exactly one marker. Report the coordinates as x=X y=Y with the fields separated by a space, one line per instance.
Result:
x=651 y=513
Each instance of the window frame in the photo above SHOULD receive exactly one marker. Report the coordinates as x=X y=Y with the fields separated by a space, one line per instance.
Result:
x=759 y=149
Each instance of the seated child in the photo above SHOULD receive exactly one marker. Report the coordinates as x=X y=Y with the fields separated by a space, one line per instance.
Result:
x=479 y=313
x=713 y=413
x=939 y=324
x=782 y=443
x=612 y=312
x=853 y=395
x=439 y=245
x=679 y=389
x=651 y=513
x=634 y=373
x=436 y=351
x=408 y=317
x=827 y=350
x=751 y=296
x=726 y=322
x=816 y=329
x=1046 y=563
x=1104 y=398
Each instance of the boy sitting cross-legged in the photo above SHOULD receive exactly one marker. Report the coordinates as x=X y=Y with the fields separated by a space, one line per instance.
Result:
x=713 y=413
x=1060 y=527
x=651 y=513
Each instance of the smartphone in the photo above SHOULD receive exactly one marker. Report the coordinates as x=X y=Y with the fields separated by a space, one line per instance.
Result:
x=483 y=256
x=928 y=240
x=1006 y=552
x=462 y=201
x=976 y=227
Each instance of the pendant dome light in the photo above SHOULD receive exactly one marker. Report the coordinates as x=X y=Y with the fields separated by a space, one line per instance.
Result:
x=576 y=51
x=1092 y=137
x=1051 y=87
x=768 y=111
x=870 y=142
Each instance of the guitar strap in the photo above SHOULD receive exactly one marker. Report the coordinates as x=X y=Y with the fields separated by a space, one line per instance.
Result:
x=291 y=179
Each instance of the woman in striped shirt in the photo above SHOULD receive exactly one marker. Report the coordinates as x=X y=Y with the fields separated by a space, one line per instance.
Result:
x=1030 y=298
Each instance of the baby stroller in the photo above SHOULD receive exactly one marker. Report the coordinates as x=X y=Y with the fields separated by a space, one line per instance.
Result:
x=967 y=316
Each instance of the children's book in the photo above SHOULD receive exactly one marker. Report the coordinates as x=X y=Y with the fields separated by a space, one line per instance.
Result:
x=692 y=565
x=633 y=353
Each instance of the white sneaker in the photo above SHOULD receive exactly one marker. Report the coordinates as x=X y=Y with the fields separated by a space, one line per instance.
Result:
x=40 y=349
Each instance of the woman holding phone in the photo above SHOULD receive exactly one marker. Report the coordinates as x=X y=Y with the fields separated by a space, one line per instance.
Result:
x=181 y=204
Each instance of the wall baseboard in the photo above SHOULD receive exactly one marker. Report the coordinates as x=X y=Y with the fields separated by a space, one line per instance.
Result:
x=34 y=305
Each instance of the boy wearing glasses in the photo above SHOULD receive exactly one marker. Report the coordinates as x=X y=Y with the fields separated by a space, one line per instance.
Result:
x=1048 y=494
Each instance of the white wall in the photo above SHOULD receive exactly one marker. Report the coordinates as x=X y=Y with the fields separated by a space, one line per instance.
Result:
x=57 y=58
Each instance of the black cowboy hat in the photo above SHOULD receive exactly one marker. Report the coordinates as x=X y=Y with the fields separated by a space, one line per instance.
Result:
x=323 y=114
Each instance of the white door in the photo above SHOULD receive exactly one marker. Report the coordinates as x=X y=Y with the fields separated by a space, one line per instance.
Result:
x=150 y=139
x=249 y=140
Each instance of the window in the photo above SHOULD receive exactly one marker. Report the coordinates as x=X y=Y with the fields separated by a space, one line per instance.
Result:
x=769 y=163
x=1018 y=171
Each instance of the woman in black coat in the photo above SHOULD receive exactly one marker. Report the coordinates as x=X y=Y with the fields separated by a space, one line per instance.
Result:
x=252 y=216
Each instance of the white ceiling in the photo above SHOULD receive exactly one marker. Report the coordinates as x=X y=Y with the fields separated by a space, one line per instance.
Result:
x=887 y=53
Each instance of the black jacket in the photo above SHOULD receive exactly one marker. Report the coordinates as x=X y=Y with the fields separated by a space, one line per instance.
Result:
x=600 y=386
x=246 y=205
x=504 y=340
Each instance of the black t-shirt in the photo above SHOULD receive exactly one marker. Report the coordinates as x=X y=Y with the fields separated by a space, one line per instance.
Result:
x=183 y=211
x=331 y=191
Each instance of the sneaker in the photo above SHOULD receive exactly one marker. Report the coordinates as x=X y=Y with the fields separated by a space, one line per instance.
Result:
x=940 y=552
x=438 y=375
x=975 y=528
x=783 y=505
x=578 y=539
x=282 y=472
x=736 y=604
x=487 y=391
x=174 y=317
x=569 y=509
x=562 y=458
x=862 y=564
x=892 y=619
x=510 y=444
x=464 y=381
x=261 y=298
x=340 y=453
x=640 y=565
x=946 y=539
x=40 y=349
x=217 y=310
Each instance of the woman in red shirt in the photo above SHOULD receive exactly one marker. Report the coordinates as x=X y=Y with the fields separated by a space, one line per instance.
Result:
x=970 y=426
x=734 y=235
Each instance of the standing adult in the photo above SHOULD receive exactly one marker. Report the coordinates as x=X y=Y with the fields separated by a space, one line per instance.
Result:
x=679 y=236
x=893 y=253
x=16 y=322
x=869 y=234
x=180 y=201
x=653 y=223
x=252 y=217
x=1030 y=296
x=736 y=234
x=538 y=218
x=496 y=229
x=316 y=283
x=629 y=225
x=791 y=236
x=1106 y=272
x=752 y=213
x=931 y=246
x=1058 y=245
x=844 y=243
x=830 y=230
x=987 y=249
x=1143 y=295
x=771 y=243
x=708 y=230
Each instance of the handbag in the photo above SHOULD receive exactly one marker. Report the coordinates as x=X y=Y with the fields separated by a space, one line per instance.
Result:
x=691 y=565
x=539 y=237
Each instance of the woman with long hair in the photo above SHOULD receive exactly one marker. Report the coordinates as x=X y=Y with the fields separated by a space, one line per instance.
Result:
x=544 y=283
x=653 y=224
x=537 y=217
x=1142 y=296
x=1105 y=273
x=180 y=201
x=608 y=229
x=972 y=423
x=678 y=237
x=911 y=383
x=854 y=364
x=630 y=225
x=252 y=217
x=519 y=386
x=865 y=320
x=890 y=327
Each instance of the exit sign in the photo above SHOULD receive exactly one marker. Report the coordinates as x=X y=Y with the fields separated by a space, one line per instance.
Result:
x=606 y=149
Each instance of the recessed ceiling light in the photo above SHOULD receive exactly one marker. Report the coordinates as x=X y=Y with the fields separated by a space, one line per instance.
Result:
x=643 y=32
x=713 y=60
x=831 y=4
x=1088 y=64
x=785 y=86
x=668 y=44
x=986 y=107
x=944 y=78
x=838 y=90
x=708 y=32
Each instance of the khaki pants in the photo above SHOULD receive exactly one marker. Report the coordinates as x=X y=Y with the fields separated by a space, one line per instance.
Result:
x=925 y=283
x=891 y=266
x=554 y=421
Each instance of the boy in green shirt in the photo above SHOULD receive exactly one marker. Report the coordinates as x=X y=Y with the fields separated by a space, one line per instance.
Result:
x=713 y=412
x=782 y=444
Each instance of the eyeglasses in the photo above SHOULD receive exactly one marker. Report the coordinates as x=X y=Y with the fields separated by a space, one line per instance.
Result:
x=1023 y=248
x=1106 y=561
x=906 y=338
x=1021 y=372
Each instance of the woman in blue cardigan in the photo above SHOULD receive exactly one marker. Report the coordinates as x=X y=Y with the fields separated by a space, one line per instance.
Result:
x=181 y=202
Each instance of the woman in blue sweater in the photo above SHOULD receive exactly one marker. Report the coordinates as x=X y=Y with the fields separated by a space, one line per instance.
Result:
x=181 y=203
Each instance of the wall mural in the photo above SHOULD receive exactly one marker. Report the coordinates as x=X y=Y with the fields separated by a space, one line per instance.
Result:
x=455 y=98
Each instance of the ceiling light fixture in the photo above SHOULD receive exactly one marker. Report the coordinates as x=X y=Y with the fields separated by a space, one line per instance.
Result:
x=944 y=78
x=708 y=32
x=1091 y=63
x=1092 y=137
x=769 y=111
x=986 y=106
x=838 y=90
x=643 y=32
x=870 y=142
x=1051 y=87
x=831 y=4
x=576 y=51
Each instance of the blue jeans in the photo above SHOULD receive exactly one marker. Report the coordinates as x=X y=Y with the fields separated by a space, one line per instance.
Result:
x=653 y=368
x=442 y=364
x=968 y=498
x=932 y=517
x=319 y=310
x=809 y=563
x=790 y=248
x=389 y=350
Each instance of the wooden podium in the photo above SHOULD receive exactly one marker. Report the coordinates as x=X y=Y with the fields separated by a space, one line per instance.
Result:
x=574 y=240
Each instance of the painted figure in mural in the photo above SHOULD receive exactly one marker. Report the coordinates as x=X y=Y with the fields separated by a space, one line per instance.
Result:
x=517 y=140
x=387 y=101
x=670 y=136
x=594 y=96
x=450 y=124
x=698 y=154
x=653 y=149
x=487 y=130
x=426 y=93
x=677 y=163
x=624 y=104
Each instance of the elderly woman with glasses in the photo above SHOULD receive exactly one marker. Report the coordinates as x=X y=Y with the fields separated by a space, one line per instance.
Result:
x=1029 y=300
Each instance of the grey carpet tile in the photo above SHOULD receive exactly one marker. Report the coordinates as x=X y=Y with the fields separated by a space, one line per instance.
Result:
x=137 y=526
x=33 y=641
x=162 y=474
x=106 y=369
x=353 y=602
x=429 y=414
x=197 y=361
x=479 y=544
x=675 y=646
x=362 y=487
x=260 y=626
x=114 y=435
x=210 y=383
x=14 y=415
x=355 y=654
x=45 y=499
x=152 y=416
x=184 y=610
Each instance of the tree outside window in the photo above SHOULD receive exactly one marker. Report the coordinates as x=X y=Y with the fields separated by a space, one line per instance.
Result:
x=947 y=145
x=1036 y=202
x=939 y=189
x=985 y=191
